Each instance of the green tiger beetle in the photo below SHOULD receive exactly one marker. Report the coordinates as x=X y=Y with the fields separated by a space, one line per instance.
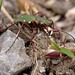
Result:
x=39 y=23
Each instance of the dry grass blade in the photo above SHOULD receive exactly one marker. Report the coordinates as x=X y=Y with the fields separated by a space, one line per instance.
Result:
x=36 y=64
x=7 y=14
x=27 y=6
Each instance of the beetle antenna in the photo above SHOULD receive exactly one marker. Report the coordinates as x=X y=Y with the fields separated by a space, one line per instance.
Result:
x=69 y=35
x=64 y=32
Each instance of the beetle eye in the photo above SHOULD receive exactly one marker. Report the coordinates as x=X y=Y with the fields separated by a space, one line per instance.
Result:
x=50 y=32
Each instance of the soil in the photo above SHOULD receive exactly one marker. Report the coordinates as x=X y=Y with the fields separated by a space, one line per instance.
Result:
x=53 y=66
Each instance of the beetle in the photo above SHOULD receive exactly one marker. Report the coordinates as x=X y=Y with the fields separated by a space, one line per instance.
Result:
x=38 y=23
x=32 y=22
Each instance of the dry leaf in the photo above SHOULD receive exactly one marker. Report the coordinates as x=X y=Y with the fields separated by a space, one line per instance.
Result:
x=27 y=6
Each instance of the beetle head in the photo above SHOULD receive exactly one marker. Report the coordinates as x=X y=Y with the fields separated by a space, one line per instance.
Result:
x=48 y=30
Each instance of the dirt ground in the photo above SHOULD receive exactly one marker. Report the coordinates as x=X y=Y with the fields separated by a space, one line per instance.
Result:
x=44 y=65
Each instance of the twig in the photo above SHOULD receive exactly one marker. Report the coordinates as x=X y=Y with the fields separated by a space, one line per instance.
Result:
x=36 y=65
x=7 y=14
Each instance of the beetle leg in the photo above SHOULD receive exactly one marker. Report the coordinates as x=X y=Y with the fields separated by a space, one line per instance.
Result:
x=47 y=41
x=16 y=37
x=31 y=40
x=28 y=26
x=60 y=37
x=57 y=30
x=6 y=27
x=9 y=26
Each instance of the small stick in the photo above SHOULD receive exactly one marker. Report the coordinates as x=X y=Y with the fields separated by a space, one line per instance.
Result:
x=36 y=64
x=7 y=14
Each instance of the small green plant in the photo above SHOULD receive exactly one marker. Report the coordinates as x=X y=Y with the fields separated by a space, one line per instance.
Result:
x=0 y=4
x=63 y=50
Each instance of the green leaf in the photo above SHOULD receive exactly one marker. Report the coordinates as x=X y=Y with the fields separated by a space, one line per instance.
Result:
x=67 y=52
x=0 y=4
x=63 y=50
x=55 y=45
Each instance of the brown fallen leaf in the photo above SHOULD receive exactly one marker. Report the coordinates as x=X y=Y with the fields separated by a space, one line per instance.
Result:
x=27 y=6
